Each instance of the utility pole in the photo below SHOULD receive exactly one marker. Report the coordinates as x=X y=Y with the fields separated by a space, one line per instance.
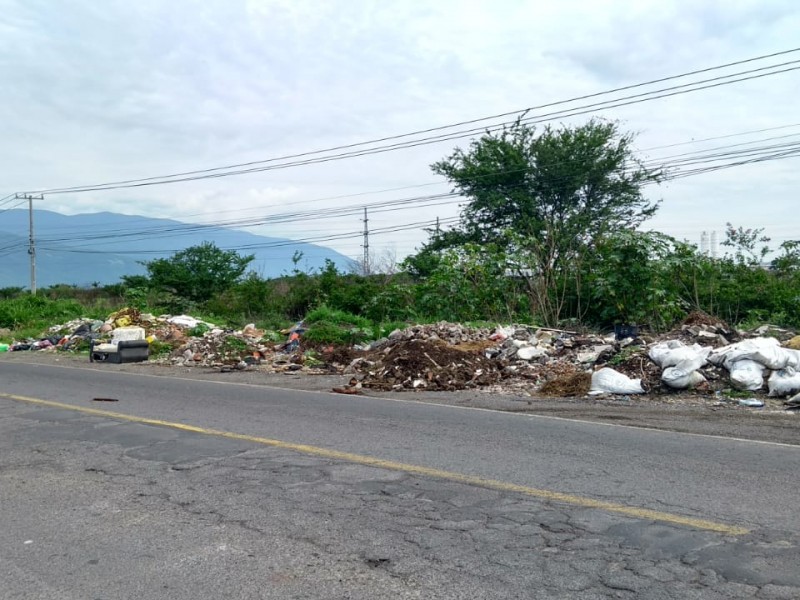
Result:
x=31 y=243
x=366 y=243
x=437 y=226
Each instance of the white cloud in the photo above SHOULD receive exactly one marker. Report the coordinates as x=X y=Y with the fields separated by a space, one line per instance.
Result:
x=117 y=90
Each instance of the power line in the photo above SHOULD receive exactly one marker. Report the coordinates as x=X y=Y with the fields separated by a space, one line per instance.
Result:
x=436 y=183
x=748 y=160
x=695 y=158
x=215 y=172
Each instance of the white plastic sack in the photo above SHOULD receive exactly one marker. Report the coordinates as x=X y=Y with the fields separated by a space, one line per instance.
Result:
x=658 y=352
x=765 y=351
x=670 y=353
x=531 y=352
x=184 y=321
x=680 y=363
x=747 y=374
x=784 y=382
x=613 y=382
x=682 y=380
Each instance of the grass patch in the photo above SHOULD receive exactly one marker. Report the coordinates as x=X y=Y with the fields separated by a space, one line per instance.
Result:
x=30 y=316
x=330 y=333
x=333 y=316
x=159 y=349
x=737 y=394
x=199 y=330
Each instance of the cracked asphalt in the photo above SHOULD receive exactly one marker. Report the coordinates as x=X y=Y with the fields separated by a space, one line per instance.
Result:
x=99 y=508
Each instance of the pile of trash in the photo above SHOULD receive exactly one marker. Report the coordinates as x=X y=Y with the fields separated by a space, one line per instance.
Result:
x=701 y=356
x=184 y=340
x=80 y=333
x=426 y=364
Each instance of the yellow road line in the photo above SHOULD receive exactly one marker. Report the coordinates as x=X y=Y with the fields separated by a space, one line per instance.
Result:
x=494 y=484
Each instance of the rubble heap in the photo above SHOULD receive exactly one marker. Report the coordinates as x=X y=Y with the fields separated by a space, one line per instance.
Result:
x=690 y=359
x=427 y=364
x=702 y=355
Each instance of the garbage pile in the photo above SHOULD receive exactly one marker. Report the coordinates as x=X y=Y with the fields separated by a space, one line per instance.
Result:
x=701 y=356
x=184 y=340
x=426 y=364
x=80 y=333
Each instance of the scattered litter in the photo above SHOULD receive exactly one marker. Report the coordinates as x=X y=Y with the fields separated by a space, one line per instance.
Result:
x=702 y=355
x=347 y=390
x=751 y=402
x=105 y=400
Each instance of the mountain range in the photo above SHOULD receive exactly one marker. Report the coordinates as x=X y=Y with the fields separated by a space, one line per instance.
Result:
x=99 y=248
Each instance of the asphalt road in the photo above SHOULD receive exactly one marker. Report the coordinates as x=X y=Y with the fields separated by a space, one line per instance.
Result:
x=430 y=501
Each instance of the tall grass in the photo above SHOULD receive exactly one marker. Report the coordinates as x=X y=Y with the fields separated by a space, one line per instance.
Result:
x=28 y=315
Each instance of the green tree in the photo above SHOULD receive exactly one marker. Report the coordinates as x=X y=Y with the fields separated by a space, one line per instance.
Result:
x=545 y=197
x=634 y=279
x=199 y=272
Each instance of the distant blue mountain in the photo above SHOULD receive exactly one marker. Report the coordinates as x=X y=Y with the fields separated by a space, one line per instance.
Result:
x=102 y=247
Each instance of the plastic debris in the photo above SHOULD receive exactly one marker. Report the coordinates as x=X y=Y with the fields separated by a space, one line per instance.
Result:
x=751 y=402
x=784 y=382
x=609 y=381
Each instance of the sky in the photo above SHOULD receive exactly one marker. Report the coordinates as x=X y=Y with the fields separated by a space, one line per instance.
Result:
x=116 y=90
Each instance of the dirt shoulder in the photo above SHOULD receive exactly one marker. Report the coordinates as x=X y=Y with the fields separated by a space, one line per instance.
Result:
x=689 y=414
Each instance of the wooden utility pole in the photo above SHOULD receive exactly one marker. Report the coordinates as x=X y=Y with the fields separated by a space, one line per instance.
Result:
x=31 y=240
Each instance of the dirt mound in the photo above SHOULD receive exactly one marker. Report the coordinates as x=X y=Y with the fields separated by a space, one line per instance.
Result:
x=334 y=355
x=573 y=385
x=700 y=318
x=431 y=365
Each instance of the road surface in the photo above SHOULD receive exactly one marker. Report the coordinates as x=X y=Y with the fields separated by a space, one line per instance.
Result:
x=188 y=489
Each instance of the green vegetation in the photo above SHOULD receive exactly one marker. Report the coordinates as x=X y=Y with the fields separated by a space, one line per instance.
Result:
x=623 y=355
x=550 y=235
x=36 y=313
x=198 y=273
x=199 y=330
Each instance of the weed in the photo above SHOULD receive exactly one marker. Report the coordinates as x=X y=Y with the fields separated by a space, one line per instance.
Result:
x=336 y=317
x=199 y=330
x=736 y=394
x=623 y=355
x=159 y=349
x=233 y=345
x=330 y=333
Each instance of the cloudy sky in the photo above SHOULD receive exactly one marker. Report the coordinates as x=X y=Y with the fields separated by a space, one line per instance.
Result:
x=116 y=90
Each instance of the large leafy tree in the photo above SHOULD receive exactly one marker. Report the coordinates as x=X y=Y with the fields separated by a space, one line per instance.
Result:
x=198 y=273
x=545 y=196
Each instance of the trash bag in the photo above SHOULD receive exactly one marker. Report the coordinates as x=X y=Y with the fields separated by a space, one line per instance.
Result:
x=680 y=363
x=747 y=374
x=784 y=382
x=670 y=353
x=765 y=351
x=610 y=381
x=680 y=379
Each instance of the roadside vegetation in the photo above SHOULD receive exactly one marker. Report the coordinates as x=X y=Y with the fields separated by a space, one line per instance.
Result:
x=553 y=233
